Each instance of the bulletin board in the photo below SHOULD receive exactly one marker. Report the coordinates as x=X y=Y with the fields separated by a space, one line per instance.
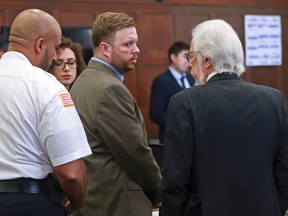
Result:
x=263 y=40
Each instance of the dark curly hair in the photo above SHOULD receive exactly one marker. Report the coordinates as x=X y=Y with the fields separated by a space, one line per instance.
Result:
x=77 y=50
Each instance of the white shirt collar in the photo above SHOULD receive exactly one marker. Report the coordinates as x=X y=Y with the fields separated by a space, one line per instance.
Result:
x=15 y=54
x=211 y=75
x=175 y=73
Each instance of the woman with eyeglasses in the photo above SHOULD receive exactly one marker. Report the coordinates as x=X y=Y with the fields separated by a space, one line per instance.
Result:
x=69 y=63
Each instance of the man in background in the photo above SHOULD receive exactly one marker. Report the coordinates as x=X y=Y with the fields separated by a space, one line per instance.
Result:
x=123 y=177
x=226 y=150
x=3 y=47
x=40 y=130
x=167 y=84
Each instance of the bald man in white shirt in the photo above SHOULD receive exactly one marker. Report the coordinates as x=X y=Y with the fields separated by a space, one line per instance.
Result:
x=40 y=130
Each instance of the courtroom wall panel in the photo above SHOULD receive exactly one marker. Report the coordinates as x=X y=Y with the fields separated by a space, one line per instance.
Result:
x=159 y=24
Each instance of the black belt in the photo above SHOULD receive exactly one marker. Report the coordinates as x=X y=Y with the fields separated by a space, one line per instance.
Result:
x=23 y=185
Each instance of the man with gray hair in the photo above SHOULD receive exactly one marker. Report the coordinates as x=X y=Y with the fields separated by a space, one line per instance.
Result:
x=226 y=150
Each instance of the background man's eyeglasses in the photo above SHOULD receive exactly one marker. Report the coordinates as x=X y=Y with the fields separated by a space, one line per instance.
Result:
x=59 y=64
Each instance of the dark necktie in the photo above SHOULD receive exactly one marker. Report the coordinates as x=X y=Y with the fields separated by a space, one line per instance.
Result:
x=182 y=82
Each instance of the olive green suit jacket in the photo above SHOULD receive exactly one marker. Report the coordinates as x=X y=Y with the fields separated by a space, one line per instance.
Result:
x=123 y=176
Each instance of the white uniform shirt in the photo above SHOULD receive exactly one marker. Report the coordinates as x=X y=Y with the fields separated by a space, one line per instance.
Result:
x=39 y=125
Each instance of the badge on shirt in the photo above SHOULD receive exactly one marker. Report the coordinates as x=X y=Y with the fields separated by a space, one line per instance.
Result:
x=66 y=100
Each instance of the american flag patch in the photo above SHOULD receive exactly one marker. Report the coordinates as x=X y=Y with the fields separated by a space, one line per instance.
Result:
x=66 y=100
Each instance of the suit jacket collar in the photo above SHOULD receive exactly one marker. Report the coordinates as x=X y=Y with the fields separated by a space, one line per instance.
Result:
x=101 y=67
x=171 y=77
x=222 y=76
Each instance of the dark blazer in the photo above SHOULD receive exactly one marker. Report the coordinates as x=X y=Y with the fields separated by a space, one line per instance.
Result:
x=226 y=151
x=163 y=88
x=123 y=176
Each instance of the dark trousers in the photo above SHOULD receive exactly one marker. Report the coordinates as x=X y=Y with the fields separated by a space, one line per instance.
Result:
x=17 y=204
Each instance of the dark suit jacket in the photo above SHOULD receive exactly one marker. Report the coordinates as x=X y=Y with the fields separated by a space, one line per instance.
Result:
x=123 y=176
x=226 y=151
x=163 y=88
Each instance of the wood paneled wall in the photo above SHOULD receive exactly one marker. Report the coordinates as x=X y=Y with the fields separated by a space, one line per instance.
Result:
x=160 y=23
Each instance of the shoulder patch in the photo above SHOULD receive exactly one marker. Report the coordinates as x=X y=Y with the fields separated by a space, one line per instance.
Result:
x=66 y=100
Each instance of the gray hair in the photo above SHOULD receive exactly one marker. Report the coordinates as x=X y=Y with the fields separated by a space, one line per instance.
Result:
x=216 y=39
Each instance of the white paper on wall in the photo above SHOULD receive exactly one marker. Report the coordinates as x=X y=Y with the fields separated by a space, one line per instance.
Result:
x=263 y=40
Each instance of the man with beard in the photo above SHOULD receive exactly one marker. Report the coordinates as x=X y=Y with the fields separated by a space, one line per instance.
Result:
x=123 y=176
x=227 y=139
x=40 y=130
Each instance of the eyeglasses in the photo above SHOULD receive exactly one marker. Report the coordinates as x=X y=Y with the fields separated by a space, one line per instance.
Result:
x=60 y=64
x=189 y=56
